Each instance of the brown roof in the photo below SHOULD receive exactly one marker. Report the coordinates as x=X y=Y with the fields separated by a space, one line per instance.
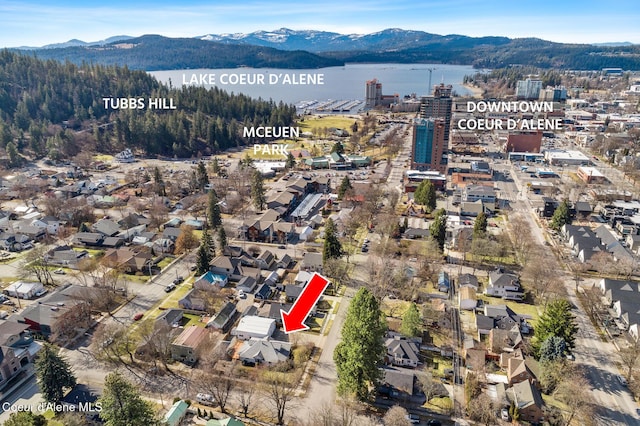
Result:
x=191 y=337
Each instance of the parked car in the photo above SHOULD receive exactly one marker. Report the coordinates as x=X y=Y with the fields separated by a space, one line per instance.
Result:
x=241 y=294
x=413 y=419
x=59 y=271
x=622 y=380
x=178 y=280
x=434 y=422
x=138 y=316
x=193 y=267
x=504 y=415
x=169 y=288
x=205 y=399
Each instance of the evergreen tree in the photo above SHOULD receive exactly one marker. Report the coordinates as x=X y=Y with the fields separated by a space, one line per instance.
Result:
x=12 y=152
x=332 y=246
x=480 y=225
x=54 y=374
x=411 y=322
x=202 y=177
x=561 y=217
x=291 y=161
x=25 y=418
x=257 y=190
x=214 y=218
x=122 y=404
x=204 y=255
x=215 y=166
x=345 y=185
x=338 y=148
x=557 y=320
x=553 y=348
x=425 y=195
x=361 y=348
x=438 y=228
x=222 y=237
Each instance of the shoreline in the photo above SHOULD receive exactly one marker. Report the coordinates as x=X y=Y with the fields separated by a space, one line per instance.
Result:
x=477 y=91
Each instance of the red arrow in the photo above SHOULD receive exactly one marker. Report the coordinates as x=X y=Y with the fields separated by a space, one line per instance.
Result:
x=294 y=319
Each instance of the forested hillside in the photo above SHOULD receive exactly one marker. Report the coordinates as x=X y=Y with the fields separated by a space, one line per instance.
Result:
x=48 y=108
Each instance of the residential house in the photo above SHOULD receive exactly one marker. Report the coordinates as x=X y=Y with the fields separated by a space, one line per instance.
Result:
x=24 y=290
x=247 y=285
x=66 y=256
x=41 y=317
x=229 y=421
x=505 y=340
x=263 y=292
x=518 y=370
x=192 y=301
x=584 y=243
x=292 y=292
x=529 y=401
x=185 y=347
x=254 y=327
x=505 y=285
x=18 y=350
x=11 y=241
x=266 y=260
x=224 y=318
x=467 y=298
x=613 y=244
x=311 y=262
x=268 y=352
x=169 y=317
x=286 y=262
x=468 y=280
x=208 y=280
x=128 y=261
x=96 y=239
x=272 y=311
x=106 y=227
x=398 y=383
x=402 y=351
x=228 y=266
x=176 y=413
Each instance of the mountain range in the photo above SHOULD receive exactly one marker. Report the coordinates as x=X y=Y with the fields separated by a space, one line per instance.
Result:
x=286 y=48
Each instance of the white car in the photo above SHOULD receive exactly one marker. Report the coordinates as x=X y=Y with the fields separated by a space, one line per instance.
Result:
x=205 y=399
x=413 y=419
x=241 y=294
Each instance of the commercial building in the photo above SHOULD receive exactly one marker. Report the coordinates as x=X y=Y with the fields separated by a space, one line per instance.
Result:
x=428 y=144
x=524 y=141
x=590 y=175
x=528 y=89
x=559 y=157
x=374 y=98
x=439 y=105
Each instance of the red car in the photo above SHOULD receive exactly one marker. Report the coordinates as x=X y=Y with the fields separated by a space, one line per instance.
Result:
x=137 y=317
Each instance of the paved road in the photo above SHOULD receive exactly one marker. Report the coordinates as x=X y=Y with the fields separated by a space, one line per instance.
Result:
x=615 y=403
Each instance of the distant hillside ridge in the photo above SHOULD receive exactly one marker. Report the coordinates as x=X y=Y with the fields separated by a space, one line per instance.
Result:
x=154 y=52
x=293 y=49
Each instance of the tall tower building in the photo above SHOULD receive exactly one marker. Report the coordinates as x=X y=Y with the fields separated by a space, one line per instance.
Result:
x=373 y=93
x=428 y=144
x=438 y=106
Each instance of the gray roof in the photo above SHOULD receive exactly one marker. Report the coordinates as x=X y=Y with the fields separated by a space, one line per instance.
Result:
x=269 y=351
x=406 y=349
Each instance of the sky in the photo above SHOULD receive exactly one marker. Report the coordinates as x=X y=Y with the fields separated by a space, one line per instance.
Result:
x=41 y=22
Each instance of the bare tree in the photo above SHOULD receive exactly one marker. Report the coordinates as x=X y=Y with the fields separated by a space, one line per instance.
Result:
x=482 y=409
x=247 y=395
x=522 y=238
x=35 y=263
x=630 y=355
x=280 y=390
x=219 y=384
x=396 y=416
x=575 y=393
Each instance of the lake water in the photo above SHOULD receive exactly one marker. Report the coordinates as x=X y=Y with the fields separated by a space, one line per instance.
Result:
x=333 y=83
